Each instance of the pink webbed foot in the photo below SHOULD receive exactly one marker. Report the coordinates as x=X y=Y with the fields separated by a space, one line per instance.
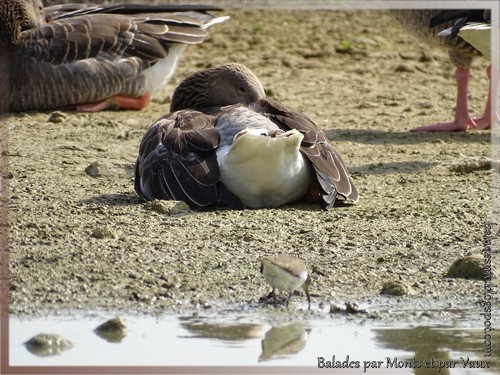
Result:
x=116 y=102
x=463 y=121
x=452 y=126
x=483 y=122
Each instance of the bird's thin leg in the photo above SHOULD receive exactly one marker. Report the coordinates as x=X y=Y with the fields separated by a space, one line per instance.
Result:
x=462 y=120
x=274 y=296
x=484 y=122
x=288 y=299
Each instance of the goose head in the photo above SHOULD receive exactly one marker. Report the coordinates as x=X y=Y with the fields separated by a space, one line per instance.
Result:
x=17 y=16
x=217 y=87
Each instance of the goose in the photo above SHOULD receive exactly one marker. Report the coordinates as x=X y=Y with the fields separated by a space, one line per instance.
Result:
x=427 y=24
x=91 y=58
x=224 y=143
x=473 y=26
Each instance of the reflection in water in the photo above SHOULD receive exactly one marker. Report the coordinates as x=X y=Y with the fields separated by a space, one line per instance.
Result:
x=46 y=345
x=245 y=339
x=226 y=331
x=447 y=348
x=284 y=341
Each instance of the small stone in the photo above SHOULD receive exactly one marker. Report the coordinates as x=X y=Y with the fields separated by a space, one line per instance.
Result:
x=46 y=344
x=395 y=288
x=57 y=117
x=113 y=330
x=104 y=232
x=124 y=134
x=425 y=104
x=471 y=165
x=425 y=57
x=94 y=169
x=405 y=68
x=167 y=207
x=468 y=267
x=353 y=308
x=110 y=170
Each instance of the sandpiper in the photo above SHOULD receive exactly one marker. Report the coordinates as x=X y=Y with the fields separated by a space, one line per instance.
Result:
x=286 y=272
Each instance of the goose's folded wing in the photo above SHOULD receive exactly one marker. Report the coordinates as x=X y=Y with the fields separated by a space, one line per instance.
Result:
x=460 y=17
x=177 y=161
x=54 y=12
x=147 y=36
x=330 y=169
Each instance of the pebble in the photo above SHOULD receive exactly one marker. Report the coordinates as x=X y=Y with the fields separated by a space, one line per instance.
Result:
x=406 y=68
x=57 y=117
x=167 y=207
x=395 y=288
x=104 y=232
x=471 y=165
x=113 y=330
x=94 y=169
x=468 y=267
x=47 y=344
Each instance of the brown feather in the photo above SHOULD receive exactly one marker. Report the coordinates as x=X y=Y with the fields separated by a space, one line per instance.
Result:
x=80 y=46
x=197 y=104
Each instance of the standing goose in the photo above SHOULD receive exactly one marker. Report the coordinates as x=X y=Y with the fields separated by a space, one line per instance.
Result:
x=92 y=57
x=427 y=24
x=225 y=143
x=473 y=26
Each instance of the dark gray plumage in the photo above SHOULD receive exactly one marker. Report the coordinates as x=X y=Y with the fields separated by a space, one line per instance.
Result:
x=427 y=23
x=92 y=57
x=216 y=116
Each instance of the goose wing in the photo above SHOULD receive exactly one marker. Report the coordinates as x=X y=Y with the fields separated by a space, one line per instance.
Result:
x=146 y=36
x=177 y=160
x=78 y=59
x=330 y=169
x=460 y=17
x=58 y=11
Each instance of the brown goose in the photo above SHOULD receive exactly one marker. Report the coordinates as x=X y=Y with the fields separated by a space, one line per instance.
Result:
x=225 y=143
x=92 y=57
x=427 y=24
x=473 y=26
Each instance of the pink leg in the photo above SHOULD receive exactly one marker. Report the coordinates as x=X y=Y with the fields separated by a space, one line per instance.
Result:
x=484 y=122
x=116 y=102
x=462 y=120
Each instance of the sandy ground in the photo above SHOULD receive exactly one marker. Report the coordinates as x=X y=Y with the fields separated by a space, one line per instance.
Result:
x=363 y=80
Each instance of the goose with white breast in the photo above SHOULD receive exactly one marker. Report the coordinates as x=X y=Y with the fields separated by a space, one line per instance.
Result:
x=224 y=143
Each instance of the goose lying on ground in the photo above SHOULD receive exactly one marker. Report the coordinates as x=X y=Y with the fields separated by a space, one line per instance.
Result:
x=225 y=143
x=92 y=57
x=427 y=23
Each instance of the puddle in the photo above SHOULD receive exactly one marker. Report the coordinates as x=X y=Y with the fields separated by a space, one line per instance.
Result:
x=263 y=338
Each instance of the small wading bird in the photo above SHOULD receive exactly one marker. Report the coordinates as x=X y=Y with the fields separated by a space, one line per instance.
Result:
x=225 y=144
x=286 y=272
x=92 y=57
x=427 y=24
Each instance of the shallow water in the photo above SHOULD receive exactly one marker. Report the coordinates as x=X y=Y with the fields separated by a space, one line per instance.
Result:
x=243 y=338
